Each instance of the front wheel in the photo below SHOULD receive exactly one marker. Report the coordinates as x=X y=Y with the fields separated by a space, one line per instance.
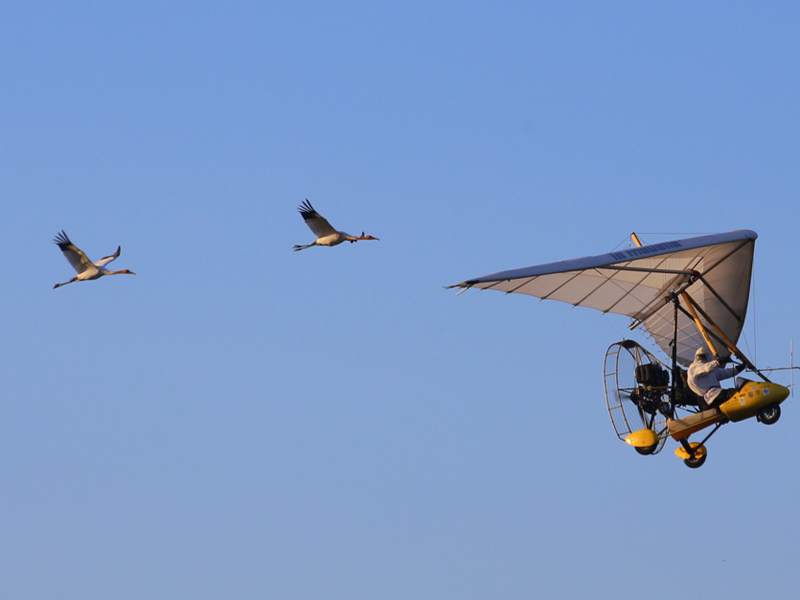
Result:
x=696 y=462
x=769 y=414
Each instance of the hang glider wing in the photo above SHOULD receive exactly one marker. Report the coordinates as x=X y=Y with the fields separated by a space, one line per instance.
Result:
x=714 y=270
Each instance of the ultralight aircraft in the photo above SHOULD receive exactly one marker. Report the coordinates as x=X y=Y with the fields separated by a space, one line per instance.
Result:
x=684 y=294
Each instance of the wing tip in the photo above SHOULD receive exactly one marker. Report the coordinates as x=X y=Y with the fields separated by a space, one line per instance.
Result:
x=464 y=285
x=306 y=208
x=61 y=239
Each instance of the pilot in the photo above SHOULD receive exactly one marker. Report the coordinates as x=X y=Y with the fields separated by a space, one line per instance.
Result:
x=704 y=376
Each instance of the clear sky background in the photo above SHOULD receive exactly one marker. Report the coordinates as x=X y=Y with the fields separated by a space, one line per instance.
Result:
x=242 y=421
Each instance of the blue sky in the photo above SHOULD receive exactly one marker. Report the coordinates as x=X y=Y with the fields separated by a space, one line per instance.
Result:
x=239 y=420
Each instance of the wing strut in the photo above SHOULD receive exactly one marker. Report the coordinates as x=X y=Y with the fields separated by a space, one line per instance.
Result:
x=699 y=324
x=731 y=346
x=675 y=371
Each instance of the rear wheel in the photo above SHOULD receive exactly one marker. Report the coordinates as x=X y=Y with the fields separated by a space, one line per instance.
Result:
x=646 y=450
x=769 y=414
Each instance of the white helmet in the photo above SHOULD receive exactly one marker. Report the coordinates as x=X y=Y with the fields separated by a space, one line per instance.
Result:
x=701 y=354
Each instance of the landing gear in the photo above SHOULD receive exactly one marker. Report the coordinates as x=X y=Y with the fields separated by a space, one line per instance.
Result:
x=647 y=450
x=769 y=414
x=693 y=455
x=696 y=462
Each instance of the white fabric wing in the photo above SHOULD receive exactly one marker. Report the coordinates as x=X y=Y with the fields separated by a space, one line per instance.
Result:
x=714 y=270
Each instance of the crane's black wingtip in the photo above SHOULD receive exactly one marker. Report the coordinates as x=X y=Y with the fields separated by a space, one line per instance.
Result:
x=61 y=239
x=306 y=209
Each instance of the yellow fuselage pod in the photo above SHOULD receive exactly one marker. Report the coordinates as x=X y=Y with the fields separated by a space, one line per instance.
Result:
x=753 y=396
x=644 y=438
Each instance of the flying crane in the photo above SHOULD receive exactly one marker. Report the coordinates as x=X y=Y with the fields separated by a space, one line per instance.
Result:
x=326 y=234
x=80 y=262
x=683 y=294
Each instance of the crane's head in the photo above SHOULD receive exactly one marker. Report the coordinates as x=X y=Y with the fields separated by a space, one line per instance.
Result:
x=367 y=237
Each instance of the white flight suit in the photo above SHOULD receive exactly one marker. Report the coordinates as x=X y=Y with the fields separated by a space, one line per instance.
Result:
x=704 y=377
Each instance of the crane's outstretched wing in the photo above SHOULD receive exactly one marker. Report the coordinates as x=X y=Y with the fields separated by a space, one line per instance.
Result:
x=315 y=221
x=75 y=255
x=107 y=259
x=714 y=269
